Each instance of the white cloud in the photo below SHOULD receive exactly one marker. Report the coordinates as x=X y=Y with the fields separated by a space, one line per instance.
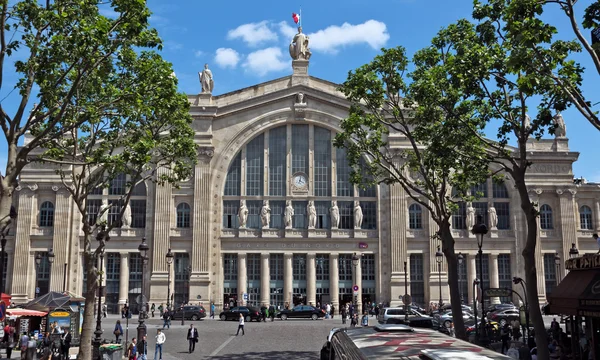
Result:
x=198 y=53
x=286 y=30
x=227 y=57
x=262 y=62
x=253 y=34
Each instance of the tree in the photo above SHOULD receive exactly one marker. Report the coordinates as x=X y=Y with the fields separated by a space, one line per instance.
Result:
x=502 y=78
x=146 y=137
x=427 y=167
x=525 y=29
x=71 y=61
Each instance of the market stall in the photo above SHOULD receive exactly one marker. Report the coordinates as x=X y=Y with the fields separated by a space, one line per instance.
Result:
x=24 y=320
x=65 y=312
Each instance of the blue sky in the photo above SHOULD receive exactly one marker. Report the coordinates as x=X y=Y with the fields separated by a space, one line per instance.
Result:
x=245 y=43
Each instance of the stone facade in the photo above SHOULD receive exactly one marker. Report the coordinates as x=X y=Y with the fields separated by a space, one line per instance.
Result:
x=218 y=261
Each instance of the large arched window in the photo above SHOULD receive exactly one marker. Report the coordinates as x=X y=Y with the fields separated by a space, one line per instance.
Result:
x=114 y=196
x=488 y=194
x=46 y=214
x=546 y=217
x=415 y=216
x=183 y=215
x=585 y=217
x=296 y=163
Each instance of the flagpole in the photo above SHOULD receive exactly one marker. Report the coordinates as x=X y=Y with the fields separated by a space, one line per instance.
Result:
x=300 y=15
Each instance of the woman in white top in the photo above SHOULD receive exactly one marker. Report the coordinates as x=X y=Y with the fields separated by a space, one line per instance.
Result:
x=241 y=325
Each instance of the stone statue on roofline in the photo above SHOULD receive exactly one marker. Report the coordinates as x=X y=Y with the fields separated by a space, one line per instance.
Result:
x=206 y=80
x=299 y=46
x=560 y=130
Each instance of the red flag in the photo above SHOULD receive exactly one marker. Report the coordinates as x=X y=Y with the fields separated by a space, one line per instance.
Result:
x=296 y=17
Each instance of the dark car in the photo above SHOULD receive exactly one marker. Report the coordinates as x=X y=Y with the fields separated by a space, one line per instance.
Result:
x=302 y=311
x=250 y=313
x=191 y=312
x=497 y=307
x=504 y=317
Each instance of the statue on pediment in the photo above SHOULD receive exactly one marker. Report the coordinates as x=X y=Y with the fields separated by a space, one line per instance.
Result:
x=206 y=80
x=299 y=46
x=334 y=212
x=243 y=214
x=560 y=129
x=265 y=214
x=311 y=210
x=288 y=215
x=358 y=215
x=493 y=217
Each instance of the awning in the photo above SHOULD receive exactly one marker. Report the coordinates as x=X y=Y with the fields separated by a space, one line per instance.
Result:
x=573 y=291
x=25 y=312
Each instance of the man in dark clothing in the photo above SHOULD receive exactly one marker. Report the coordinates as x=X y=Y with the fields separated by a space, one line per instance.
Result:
x=263 y=312
x=272 y=312
x=192 y=337
x=142 y=348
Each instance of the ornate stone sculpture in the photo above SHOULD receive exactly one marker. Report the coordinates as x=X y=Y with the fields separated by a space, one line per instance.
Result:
x=243 y=214
x=300 y=99
x=334 y=212
x=206 y=80
x=493 y=216
x=527 y=124
x=470 y=217
x=103 y=214
x=288 y=214
x=127 y=217
x=265 y=214
x=560 y=130
x=358 y=215
x=299 y=46
x=311 y=210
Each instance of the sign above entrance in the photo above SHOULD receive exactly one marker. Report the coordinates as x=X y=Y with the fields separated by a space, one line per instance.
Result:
x=494 y=292
x=584 y=262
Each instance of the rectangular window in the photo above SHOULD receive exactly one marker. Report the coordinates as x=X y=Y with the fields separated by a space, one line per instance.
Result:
x=322 y=162
x=299 y=149
x=486 y=267
x=234 y=175
x=481 y=209
x=43 y=274
x=276 y=266
x=255 y=159
x=181 y=290
x=549 y=273
x=230 y=214
x=299 y=218
x=277 y=161
x=322 y=214
x=367 y=263
x=458 y=216
x=346 y=214
x=230 y=267
x=93 y=207
x=277 y=210
x=369 y=191
x=118 y=186
x=135 y=280
x=504 y=275
x=479 y=191
x=499 y=190
x=417 y=283
x=463 y=280
x=276 y=297
x=253 y=264
x=114 y=212
x=138 y=214
x=113 y=270
x=254 y=207
x=503 y=212
x=299 y=266
x=343 y=170
x=322 y=264
x=345 y=267
x=369 y=209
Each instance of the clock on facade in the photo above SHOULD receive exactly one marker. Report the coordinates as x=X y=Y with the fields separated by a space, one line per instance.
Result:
x=299 y=183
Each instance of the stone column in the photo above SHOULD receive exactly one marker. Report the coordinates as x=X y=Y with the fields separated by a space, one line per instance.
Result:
x=288 y=278
x=597 y=215
x=60 y=239
x=568 y=225
x=265 y=279
x=494 y=280
x=23 y=281
x=242 y=283
x=334 y=287
x=358 y=281
x=124 y=280
x=398 y=243
x=311 y=279
x=159 y=239
x=311 y=162
x=471 y=276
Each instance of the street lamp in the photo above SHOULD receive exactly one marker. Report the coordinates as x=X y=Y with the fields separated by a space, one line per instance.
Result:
x=141 y=329
x=573 y=252
x=101 y=237
x=460 y=258
x=169 y=258
x=557 y=263
x=355 y=263
x=479 y=230
x=517 y=280
x=439 y=257
x=50 y=260
x=475 y=284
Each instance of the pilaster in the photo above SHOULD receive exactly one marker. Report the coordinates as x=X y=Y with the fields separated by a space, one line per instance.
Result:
x=162 y=226
x=311 y=160
x=358 y=281
x=334 y=285
x=60 y=239
x=288 y=278
x=265 y=279
x=242 y=282
x=124 y=280
x=597 y=215
x=398 y=243
x=539 y=257
x=494 y=280
x=22 y=281
x=311 y=279
x=568 y=224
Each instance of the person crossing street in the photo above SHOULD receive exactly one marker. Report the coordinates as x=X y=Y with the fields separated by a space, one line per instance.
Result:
x=192 y=337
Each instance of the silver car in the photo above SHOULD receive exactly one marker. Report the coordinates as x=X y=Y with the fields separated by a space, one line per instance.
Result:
x=446 y=318
x=396 y=313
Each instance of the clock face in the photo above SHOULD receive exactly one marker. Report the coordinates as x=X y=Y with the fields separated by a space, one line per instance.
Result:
x=300 y=181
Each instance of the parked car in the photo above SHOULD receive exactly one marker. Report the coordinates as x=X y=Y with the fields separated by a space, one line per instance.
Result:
x=445 y=319
x=504 y=316
x=250 y=313
x=416 y=322
x=301 y=311
x=396 y=313
x=192 y=312
x=465 y=308
x=496 y=307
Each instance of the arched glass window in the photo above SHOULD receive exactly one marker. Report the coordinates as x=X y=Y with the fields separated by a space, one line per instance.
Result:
x=183 y=216
x=415 y=216
x=585 y=217
x=47 y=214
x=488 y=194
x=546 y=217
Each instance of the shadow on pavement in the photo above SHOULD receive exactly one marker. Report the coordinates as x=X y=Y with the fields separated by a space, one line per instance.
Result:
x=270 y=355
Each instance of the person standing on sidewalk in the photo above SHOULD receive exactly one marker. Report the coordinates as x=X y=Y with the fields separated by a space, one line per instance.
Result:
x=142 y=349
x=192 y=337
x=166 y=319
x=212 y=310
x=118 y=331
x=160 y=340
x=241 y=325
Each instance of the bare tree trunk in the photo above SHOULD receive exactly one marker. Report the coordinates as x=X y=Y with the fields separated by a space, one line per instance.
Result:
x=448 y=249
x=535 y=313
x=8 y=183
x=88 y=328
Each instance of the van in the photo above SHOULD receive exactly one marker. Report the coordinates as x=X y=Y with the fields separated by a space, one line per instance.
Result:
x=396 y=313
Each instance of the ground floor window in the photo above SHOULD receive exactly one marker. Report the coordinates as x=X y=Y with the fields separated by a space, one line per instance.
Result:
x=505 y=275
x=254 y=296
x=276 y=297
x=230 y=297
x=113 y=270
x=417 y=282
x=299 y=297
x=549 y=273
x=323 y=296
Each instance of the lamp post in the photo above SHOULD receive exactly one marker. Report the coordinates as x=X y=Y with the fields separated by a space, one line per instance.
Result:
x=405 y=294
x=517 y=280
x=557 y=263
x=439 y=257
x=2 y=259
x=573 y=252
x=169 y=258
x=479 y=230
x=186 y=271
x=460 y=258
x=356 y=263
x=102 y=237
x=475 y=284
x=141 y=329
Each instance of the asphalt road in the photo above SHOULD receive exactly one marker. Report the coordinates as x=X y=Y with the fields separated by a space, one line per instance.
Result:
x=290 y=339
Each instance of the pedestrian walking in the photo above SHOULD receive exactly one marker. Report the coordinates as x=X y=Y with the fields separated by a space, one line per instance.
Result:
x=118 y=331
x=161 y=309
x=131 y=350
x=104 y=310
x=365 y=319
x=166 y=319
x=332 y=311
x=66 y=343
x=344 y=314
x=263 y=312
x=160 y=341
x=212 y=310
x=153 y=309
x=505 y=337
x=241 y=325
x=192 y=337
x=142 y=349
x=24 y=342
x=272 y=312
